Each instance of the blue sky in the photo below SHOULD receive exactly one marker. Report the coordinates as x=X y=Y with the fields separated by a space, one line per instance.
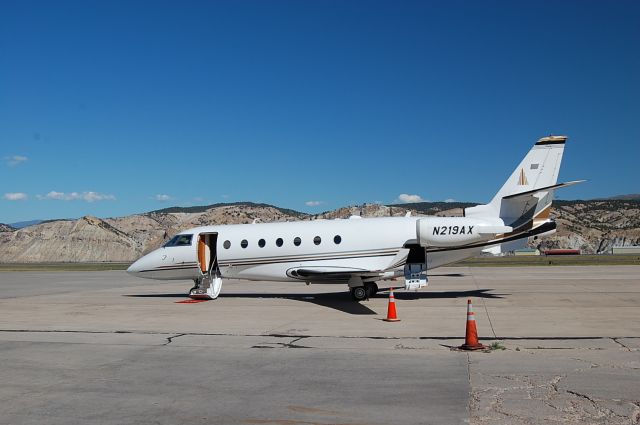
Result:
x=116 y=107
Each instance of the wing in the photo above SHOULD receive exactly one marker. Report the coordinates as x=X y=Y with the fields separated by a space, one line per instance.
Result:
x=340 y=273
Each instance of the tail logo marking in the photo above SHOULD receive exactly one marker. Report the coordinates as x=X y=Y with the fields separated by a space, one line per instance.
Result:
x=522 y=181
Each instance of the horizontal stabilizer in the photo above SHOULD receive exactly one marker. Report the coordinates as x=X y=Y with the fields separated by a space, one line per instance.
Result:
x=543 y=189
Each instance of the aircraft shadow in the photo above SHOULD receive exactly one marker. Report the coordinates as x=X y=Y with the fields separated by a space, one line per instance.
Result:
x=475 y=293
x=341 y=301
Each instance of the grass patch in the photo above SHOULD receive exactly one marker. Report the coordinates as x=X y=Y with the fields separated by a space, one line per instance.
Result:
x=496 y=345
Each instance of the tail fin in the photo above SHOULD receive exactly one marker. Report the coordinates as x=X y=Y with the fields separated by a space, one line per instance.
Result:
x=527 y=194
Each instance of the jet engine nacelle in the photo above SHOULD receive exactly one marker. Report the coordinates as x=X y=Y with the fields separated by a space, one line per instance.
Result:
x=456 y=231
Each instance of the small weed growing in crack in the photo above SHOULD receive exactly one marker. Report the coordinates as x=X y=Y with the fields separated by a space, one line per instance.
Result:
x=496 y=345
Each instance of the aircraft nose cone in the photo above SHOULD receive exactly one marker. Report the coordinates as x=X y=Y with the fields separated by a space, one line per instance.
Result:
x=144 y=267
x=135 y=268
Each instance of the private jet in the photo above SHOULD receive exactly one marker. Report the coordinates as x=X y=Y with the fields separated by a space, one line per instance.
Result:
x=358 y=252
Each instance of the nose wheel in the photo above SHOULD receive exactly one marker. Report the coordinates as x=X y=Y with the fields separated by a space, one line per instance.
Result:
x=206 y=288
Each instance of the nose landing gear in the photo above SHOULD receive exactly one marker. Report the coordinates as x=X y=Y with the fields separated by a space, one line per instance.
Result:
x=206 y=288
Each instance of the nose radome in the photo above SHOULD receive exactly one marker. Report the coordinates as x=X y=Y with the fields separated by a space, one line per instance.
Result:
x=143 y=263
x=146 y=263
x=135 y=268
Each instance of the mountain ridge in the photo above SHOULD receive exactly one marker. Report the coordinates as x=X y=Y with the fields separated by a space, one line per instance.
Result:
x=203 y=208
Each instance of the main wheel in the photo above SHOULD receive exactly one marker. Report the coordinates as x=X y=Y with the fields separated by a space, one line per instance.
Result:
x=359 y=293
x=371 y=288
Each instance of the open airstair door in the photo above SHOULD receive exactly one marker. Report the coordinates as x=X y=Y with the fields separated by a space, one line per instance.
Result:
x=208 y=286
x=207 y=253
x=415 y=268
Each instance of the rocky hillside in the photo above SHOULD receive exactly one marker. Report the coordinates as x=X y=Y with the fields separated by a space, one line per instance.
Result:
x=592 y=226
x=123 y=238
x=6 y=228
x=595 y=226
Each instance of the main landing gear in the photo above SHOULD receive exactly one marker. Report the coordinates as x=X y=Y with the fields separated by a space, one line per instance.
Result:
x=361 y=293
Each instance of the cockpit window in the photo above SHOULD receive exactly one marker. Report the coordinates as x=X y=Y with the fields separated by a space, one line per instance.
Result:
x=179 y=240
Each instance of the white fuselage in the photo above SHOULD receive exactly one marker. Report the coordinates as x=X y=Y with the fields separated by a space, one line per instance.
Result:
x=350 y=245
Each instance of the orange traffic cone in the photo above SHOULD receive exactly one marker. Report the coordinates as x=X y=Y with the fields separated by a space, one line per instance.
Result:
x=471 y=337
x=392 y=315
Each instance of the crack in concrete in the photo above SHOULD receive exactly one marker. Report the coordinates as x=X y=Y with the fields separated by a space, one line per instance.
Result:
x=616 y=340
x=586 y=397
x=171 y=338
x=291 y=344
x=601 y=412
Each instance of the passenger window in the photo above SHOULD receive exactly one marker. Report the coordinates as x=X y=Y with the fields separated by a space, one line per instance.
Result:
x=297 y=241
x=337 y=239
x=261 y=243
x=279 y=242
x=227 y=244
x=244 y=243
x=317 y=240
x=179 y=240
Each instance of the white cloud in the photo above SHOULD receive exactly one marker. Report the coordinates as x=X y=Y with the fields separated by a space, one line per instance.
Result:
x=15 y=196
x=313 y=203
x=409 y=199
x=52 y=195
x=450 y=200
x=15 y=160
x=74 y=196
x=162 y=197
x=95 y=196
